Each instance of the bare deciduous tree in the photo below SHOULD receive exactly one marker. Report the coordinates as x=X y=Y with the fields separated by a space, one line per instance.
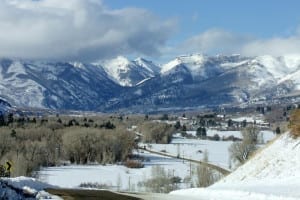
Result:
x=241 y=151
x=205 y=175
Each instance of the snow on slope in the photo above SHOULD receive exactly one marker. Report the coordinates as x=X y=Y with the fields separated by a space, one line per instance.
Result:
x=293 y=77
x=14 y=87
x=194 y=63
x=282 y=68
x=148 y=65
x=265 y=70
x=129 y=73
x=115 y=67
x=202 y=66
x=271 y=174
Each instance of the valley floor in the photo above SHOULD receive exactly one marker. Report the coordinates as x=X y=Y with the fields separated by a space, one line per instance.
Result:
x=272 y=174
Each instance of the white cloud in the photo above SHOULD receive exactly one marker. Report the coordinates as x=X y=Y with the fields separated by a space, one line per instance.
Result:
x=274 y=46
x=78 y=29
x=215 y=41
x=220 y=41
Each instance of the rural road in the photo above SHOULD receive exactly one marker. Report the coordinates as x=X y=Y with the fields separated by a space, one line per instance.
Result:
x=79 y=194
x=75 y=194
x=212 y=166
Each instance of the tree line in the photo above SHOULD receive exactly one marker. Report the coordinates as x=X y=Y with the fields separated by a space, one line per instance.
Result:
x=31 y=143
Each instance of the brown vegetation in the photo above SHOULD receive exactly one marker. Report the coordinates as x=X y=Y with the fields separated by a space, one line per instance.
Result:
x=155 y=132
x=35 y=142
x=295 y=123
x=241 y=151
x=134 y=164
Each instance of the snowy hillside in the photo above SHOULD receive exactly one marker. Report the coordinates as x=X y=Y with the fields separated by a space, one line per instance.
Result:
x=15 y=87
x=262 y=68
x=202 y=67
x=129 y=73
x=271 y=174
x=4 y=106
x=58 y=85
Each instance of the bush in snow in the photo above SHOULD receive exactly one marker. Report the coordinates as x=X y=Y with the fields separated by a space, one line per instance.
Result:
x=161 y=181
x=134 y=164
x=95 y=185
x=205 y=175
x=241 y=151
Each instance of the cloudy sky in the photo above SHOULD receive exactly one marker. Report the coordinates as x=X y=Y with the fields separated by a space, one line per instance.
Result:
x=89 y=30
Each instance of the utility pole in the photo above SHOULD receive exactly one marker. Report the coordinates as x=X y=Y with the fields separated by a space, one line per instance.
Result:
x=129 y=187
x=190 y=168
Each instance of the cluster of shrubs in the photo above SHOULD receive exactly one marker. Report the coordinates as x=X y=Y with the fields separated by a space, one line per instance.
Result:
x=134 y=164
x=161 y=181
x=95 y=185
x=155 y=132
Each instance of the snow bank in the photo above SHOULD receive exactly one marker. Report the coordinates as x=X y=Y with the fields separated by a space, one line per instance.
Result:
x=212 y=194
x=24 y=188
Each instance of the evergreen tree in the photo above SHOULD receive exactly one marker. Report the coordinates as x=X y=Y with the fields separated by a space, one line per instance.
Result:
x=229 y=123
x=183 y=128
x=10 y=118
x=2 y=120
x=244 y=123
x=13 y=133
x=177 y=125
x=165 y=117
x=201 y=132
x=277 y=131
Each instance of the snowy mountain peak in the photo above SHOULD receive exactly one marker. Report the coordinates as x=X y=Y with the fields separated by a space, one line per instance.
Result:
x=193 y=58
x=129 y=73
x=77 y=64
x=188 y=60
x=120 y=61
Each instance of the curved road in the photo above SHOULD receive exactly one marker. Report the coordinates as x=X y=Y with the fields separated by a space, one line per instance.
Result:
x=212 y=166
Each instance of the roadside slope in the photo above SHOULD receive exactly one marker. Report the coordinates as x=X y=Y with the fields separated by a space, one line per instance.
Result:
x=271 y=174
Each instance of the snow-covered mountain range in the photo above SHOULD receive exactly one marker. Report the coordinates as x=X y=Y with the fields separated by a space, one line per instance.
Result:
x=194 y=80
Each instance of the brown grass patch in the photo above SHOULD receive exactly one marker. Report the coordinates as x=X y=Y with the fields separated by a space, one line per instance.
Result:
x=134 y=164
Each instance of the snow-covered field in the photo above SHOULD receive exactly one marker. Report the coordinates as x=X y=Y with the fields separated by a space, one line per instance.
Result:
x=194 y=149
x=114 y=176
x=118 y=176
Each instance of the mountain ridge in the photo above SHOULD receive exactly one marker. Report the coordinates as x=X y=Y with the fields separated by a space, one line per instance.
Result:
x=195 y=80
